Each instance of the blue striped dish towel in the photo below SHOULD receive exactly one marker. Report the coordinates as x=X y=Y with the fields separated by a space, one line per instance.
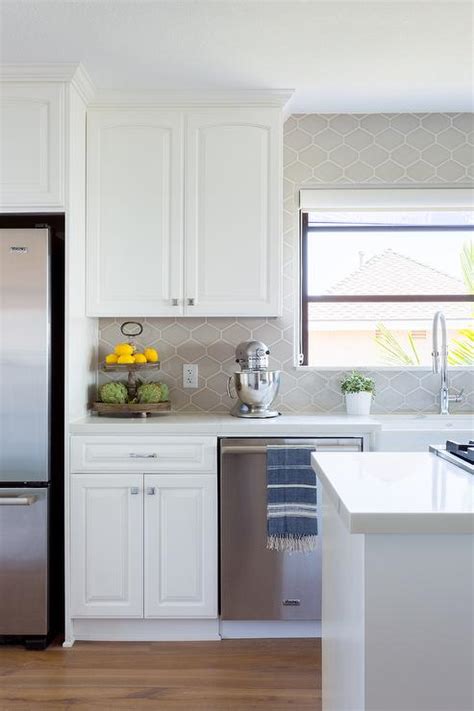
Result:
x=292 y=523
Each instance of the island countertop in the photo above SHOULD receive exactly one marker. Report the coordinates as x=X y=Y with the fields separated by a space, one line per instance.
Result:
x=397 y=492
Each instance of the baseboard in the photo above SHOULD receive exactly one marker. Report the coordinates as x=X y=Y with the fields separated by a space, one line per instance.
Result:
x=278 y=629
x=129 y=630
x=136 y=630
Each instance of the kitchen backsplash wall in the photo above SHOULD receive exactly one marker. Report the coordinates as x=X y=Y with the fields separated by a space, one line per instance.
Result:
x=319 y=149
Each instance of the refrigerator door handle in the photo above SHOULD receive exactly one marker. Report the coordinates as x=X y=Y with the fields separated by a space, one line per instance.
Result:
x=17 y=500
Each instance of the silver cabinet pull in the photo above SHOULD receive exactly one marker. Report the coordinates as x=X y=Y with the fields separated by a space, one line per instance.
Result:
x=17 y=500
x=151 y=491
x=191 y=302
x=175 y=302
x=134 y=490
x=133 y=455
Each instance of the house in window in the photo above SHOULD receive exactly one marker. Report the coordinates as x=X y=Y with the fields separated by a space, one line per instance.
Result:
x=355 y=333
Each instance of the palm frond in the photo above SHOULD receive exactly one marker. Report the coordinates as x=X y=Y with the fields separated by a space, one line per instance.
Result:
x=393 y=351
x=461 y=350
x=467 y=265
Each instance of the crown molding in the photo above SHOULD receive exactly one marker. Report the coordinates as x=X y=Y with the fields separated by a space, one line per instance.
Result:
x=75 y=74
x=110 y=98
x=83 y=84
x=38 y=72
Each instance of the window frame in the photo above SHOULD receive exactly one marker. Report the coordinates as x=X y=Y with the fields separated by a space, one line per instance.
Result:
x=305 y=299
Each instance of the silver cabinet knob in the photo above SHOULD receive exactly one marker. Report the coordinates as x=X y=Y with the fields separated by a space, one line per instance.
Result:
x=134 y=490
x=175 y=302
x=151 y=491
x=191 y=302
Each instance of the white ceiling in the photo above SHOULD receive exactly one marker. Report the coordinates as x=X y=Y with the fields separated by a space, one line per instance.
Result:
x=351 y=56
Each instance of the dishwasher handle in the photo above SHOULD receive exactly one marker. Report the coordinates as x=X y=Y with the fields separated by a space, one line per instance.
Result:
x=333 y=446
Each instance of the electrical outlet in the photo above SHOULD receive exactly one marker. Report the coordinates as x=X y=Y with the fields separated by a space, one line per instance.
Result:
x=190 y=375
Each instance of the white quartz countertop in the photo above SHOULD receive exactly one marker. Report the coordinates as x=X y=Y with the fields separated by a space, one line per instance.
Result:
x=225 y=425
x=397 y=492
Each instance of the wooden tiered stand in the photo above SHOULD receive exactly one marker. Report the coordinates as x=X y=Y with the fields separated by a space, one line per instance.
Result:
x=132 y=370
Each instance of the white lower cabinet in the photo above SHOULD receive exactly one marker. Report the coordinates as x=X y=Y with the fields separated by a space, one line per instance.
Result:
x=144 y=545
x=107 y=545
x=180 y=546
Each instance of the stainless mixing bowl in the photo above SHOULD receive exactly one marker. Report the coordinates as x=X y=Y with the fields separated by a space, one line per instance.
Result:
x=256 y=390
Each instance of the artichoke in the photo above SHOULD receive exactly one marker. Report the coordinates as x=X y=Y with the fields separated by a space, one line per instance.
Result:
x=149 y=392
x=165 y=392
x=114 y=393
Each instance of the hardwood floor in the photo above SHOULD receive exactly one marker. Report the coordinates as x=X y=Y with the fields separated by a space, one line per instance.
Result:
x=232 y=675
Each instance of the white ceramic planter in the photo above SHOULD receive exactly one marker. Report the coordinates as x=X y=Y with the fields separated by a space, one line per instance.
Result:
x=358 y=403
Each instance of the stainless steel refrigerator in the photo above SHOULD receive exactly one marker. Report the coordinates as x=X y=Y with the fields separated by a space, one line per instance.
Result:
x=25 y=395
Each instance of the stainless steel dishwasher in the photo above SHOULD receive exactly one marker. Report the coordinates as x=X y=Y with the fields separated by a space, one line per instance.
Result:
x=256 y=583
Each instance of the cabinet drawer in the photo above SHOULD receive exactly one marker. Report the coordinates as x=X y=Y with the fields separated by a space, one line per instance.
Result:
x=143 y=454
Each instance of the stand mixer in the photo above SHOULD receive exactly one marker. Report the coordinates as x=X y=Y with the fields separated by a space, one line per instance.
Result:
x=256 y=387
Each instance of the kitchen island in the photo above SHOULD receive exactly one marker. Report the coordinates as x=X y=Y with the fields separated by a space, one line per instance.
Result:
x=398 y=557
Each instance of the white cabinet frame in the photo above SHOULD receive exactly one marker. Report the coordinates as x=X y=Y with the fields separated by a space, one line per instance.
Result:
x=210 y=243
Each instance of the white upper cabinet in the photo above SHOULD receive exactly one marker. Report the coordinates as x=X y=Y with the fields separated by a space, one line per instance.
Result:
x=184 y=211
x=134 y=212
x=31 y=146
x=233 y=205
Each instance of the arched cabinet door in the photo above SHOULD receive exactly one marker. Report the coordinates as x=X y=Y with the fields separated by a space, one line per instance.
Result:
x=233 y=206
x=31 y=146
x=134 y=212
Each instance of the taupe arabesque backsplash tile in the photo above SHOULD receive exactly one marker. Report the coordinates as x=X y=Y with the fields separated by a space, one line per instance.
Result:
x=319 y=149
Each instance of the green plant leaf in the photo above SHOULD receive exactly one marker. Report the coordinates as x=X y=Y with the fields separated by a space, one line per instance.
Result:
x=467 y=265
x=357 y=383
x=461 y=349
x=392 y=351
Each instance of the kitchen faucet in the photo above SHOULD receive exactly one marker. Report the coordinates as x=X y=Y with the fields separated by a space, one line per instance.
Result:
x=440 y=363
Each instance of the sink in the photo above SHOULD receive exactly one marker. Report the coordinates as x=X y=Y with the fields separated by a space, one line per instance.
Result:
x=416 y=432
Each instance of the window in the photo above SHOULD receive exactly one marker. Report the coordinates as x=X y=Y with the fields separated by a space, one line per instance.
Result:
x=372 y=281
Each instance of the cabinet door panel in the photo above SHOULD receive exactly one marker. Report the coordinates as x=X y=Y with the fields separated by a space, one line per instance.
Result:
x=107 y=545
x=180 y=546
x=233 y=204
x=134 y=213
x=31 y=146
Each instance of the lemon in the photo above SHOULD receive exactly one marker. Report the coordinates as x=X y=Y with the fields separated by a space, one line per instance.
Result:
x=111 y=358
x=151 y=355
x=124 y=349
x=140 y=358
x=126 y=359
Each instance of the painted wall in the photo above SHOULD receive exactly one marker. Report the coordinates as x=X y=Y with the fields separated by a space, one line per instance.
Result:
x=320 y=149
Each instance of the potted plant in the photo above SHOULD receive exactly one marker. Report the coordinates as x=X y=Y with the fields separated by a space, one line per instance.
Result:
x=359 y=391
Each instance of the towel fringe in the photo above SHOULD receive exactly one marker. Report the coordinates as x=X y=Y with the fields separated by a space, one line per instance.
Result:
x=291 y=543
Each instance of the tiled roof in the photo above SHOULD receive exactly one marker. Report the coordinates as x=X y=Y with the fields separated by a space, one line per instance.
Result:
x=392 y=273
